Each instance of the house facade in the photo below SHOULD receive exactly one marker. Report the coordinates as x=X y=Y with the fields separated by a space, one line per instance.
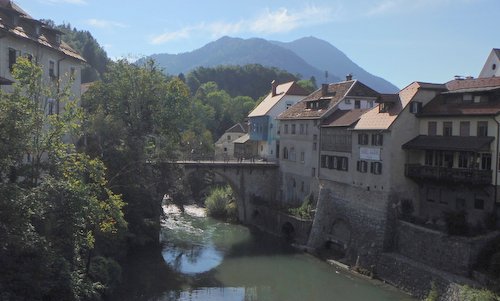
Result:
x=301 y=135
x=263 y=126
x=491 y=67
x=454 y=157
x=225 y=146
x=21 y=35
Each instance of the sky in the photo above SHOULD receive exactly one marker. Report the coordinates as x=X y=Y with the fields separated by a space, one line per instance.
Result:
x=400 y=40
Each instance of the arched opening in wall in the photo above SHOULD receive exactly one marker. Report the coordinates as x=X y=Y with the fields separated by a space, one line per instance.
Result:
x=288 y=231
x=338 y=240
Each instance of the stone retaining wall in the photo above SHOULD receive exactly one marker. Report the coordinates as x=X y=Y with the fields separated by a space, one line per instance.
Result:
x=454 y=254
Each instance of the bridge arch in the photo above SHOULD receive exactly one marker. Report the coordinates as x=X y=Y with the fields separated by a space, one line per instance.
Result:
x=250 y=181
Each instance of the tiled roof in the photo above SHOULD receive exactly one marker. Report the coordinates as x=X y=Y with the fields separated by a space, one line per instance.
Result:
x=41 y=39
x=334 y=94
x=458 y=84
x=242 y=139
x=451 y=143
x=237 y=128
x=290 y=88
x=344 y=117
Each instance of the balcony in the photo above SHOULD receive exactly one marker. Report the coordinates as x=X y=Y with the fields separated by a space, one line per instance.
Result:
x=448 y=175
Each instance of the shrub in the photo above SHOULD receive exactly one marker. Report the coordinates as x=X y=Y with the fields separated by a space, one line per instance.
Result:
x=305 y=210
x=468 y=293
x=221 y=203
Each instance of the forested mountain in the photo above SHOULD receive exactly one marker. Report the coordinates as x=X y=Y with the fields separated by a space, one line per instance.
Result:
x=306 y=57
x=324 y=56
x=236 y=51
x=250 y=80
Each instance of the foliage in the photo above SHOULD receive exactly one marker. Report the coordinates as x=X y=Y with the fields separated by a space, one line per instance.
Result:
x=305 y=209
x=468 y=293
x=252 y=80
x=134 y=117
x=456 y=222
x=222 y=204
x=433 y=294
x=308 y=84
x=56 y=206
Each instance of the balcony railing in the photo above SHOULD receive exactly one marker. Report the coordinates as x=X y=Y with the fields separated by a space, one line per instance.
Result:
x=450 y=175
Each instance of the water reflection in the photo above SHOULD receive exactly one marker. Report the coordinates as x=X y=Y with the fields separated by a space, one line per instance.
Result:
x=210 y=260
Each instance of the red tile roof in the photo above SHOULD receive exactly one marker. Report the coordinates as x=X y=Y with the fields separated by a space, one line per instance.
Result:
x=334 y=94
x=459 y=84
x=344 y=117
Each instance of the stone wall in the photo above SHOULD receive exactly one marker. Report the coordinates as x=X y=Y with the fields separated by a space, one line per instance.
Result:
x=352 y=217
x=278 y=223
x=449 y=253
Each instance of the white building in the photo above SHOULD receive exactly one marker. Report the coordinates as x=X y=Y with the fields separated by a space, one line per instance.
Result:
x=491 y=67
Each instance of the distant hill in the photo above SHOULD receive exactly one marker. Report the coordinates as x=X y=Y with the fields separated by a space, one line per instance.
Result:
x=306 y=57
x=324 y=56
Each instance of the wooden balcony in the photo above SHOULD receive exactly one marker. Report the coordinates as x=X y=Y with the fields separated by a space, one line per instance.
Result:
x=448 y=175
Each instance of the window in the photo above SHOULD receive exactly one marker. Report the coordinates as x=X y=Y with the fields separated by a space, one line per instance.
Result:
x=370 y=103
x=460 y=204
x=415 y=107
x=262 y=148
x=377 y=139
x=302 y=186
x=302 y=157
x=285 y=153
x=429 y=157
x=482 y=128
x=51 y=103
x=432 y=128
x=448 y=159
x=286 y=128
x=335 y=162
x=313 y=172
x=479 y=204
x=376 y=168
x=357 y=104
x=463 y=160
x=225 y=149
x=467 y=98
x=464 y=128
x=362 y=166
x=12 y=58
x=347 y=101
x=293 y=129
x=315 y=137
x=324 y=162
x=301 y=129
x=485 y=161
x=315 y=146
x=52 y=66
x=288 y=105
x=447 y=128
x=228 y=137
x=363 y=139
x=384 y=107
x=58 y=39
x=293 y=156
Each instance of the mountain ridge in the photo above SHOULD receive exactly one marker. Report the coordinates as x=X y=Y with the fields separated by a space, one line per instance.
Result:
x=308 y=56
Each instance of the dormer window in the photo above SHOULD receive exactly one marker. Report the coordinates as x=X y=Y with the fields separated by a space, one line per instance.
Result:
x=384 y=107
x=37 y=30
x=58 y=38
x=15 y=20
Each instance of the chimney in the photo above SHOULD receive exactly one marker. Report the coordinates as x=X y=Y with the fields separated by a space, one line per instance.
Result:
x=273 y=87
x=324 y=89
x=348 y=77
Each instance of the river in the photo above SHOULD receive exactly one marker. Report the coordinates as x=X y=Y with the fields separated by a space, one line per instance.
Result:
x=205 y=259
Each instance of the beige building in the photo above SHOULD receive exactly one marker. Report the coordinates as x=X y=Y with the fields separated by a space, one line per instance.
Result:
x=300 y=134
x=454 y=157
x=224 y=147
x=21 y=35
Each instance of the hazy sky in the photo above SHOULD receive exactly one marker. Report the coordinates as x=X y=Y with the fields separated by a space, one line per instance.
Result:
x=400 y=40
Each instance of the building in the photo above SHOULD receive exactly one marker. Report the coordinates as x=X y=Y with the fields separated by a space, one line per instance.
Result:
x=21 y=35
x=263 y=124
x=454 y=157
x=491 y=67
x=361 y=172
x=224 y=147
x=300 y=134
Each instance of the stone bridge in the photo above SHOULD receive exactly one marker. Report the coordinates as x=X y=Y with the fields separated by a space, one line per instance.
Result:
x=251 y=181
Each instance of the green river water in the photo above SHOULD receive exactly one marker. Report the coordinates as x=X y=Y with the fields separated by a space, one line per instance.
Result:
x=205 y=259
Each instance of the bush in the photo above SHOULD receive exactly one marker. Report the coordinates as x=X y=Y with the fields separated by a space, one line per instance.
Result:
x=107 y=272
x=468 y=293
x=305 y=210
x=221 y=203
